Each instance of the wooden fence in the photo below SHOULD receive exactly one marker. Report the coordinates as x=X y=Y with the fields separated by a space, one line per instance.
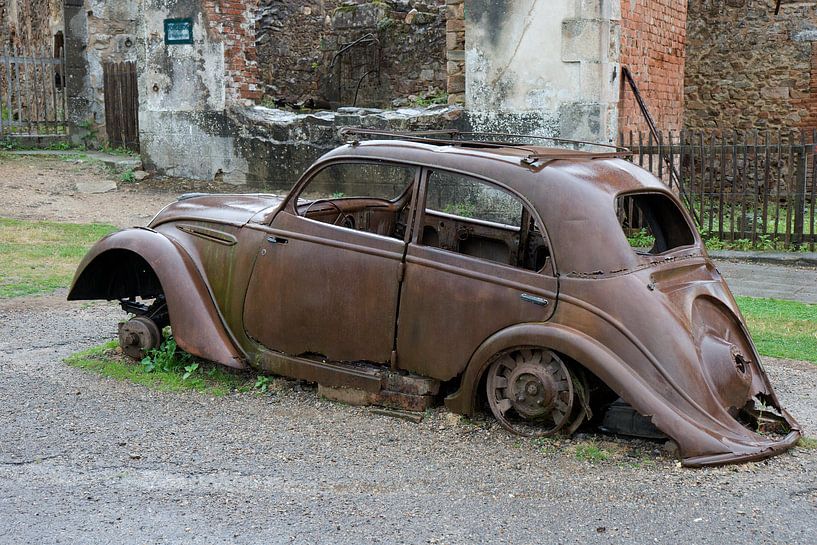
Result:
x=753 y=189
x=32 y=93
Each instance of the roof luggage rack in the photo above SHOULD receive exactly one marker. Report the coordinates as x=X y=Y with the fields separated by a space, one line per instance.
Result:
x=466 y=139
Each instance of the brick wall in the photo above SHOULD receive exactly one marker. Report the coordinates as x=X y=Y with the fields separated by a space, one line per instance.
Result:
x=749 y=68
x=233 y=23
x=653 y=37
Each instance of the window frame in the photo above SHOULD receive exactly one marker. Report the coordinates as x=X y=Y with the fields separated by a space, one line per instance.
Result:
x=420 y=214
x=696 y=236
x=291 y=205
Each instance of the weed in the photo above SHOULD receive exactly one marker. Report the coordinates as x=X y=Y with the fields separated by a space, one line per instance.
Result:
x=590 y=452
x=338 y=195
x=168 y=358
x=8 y=144
x=199 y=376
x=128 y=176
x=262 y=383
x=807 y=443
x=641 y=239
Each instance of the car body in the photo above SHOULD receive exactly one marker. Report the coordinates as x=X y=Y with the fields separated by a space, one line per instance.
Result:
x=512 y=284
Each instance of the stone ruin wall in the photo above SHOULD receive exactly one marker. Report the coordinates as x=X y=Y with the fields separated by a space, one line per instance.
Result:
x=653 y=38
x=748 y=68
x=301 y=60
x=30 y=23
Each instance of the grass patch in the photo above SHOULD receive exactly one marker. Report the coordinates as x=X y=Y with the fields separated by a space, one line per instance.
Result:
x=41 y=256
x=211 y=379
x=591 y=452
x=781 y=329
x=807 y=443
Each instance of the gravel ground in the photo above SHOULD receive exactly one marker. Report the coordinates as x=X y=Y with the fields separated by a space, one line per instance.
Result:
x=89 y=460
x=85 y=459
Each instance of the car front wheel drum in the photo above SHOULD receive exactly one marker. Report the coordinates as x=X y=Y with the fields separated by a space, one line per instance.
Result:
x=138 y=336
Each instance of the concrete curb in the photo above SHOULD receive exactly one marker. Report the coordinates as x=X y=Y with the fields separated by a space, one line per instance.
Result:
x=789 y=259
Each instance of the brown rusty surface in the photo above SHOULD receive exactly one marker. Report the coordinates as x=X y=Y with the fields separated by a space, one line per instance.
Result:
x=339 y=290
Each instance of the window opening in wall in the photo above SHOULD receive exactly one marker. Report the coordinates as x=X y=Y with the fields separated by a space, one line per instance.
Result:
x=59 y=46
x=653 y=223
x=371 y=197
x=473 y=217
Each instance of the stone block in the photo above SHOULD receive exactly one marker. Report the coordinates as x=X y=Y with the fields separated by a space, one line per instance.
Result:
x=582 y=40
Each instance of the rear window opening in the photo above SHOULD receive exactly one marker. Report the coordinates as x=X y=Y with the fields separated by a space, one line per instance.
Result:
x=653 y=223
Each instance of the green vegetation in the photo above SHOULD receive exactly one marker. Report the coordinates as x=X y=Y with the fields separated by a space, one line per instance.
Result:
x=167 y=369
x=128 y=176
x=807 y=443
x=591 y=452
x=41 y=256
x=462 y=209
x=431 y=99
x=781 y=329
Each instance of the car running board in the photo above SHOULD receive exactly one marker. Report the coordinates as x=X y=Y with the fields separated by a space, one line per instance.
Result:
x=355 y=383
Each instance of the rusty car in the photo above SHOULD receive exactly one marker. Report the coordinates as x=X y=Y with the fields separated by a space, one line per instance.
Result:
x=487 y=272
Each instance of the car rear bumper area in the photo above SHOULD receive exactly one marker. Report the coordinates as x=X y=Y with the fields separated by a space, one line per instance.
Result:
x=767 y=450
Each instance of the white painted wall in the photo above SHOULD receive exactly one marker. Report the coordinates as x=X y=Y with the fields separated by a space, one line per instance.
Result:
x=551 y=63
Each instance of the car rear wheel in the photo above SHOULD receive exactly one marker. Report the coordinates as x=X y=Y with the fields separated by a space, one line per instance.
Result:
x=533 y=393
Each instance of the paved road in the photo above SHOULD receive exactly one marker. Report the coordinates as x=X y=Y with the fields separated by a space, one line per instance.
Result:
x=775 y=281
x=90 y=460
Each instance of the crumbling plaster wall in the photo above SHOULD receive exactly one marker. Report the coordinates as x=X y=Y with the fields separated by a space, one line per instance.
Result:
x=183 y=94
x=543 y=67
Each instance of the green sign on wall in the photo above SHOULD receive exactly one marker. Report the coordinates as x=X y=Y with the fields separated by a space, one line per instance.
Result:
x=178 y=31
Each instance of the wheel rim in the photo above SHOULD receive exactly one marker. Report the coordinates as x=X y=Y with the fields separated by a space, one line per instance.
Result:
x=138 y=336
x=530 y=392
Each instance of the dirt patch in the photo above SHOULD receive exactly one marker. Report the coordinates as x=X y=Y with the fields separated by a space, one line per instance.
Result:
x=46 y=188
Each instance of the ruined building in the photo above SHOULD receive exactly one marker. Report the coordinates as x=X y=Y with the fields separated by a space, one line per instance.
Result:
x=234 y=89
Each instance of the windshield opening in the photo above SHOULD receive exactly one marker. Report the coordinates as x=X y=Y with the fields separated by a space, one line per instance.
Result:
x=653 y=223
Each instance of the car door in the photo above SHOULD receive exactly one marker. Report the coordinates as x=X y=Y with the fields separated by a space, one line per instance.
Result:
x=477 y=263
x=326 y=280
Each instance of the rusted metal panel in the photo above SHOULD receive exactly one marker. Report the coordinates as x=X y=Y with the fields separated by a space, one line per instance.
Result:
x=354 y=292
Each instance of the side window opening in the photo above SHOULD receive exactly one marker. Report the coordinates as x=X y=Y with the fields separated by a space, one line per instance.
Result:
x=653 y=223
x=370 y=197
x=475 y=218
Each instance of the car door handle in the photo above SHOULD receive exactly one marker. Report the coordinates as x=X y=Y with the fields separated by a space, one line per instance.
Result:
x=541 y=301
x=276 y=240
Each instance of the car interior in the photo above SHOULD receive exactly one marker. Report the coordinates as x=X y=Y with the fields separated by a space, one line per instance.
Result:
x=521 y=245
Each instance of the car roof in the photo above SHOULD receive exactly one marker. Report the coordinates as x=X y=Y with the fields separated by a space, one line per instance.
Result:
x=572 y=191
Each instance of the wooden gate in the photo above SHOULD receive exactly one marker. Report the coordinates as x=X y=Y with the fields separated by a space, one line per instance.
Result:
x=32 y=93
x=121 y=105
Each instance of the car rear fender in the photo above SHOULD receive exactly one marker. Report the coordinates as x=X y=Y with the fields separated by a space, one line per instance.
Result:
x=143 y=262
x=594 y=357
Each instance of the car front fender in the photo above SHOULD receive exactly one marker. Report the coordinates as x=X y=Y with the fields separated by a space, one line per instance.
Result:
x=142 y=262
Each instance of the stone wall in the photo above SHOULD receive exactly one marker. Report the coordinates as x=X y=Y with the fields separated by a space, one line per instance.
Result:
x=455 y=50
x=306 y=54
x=30 y=24
x=653 y=36
x=748 y=68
